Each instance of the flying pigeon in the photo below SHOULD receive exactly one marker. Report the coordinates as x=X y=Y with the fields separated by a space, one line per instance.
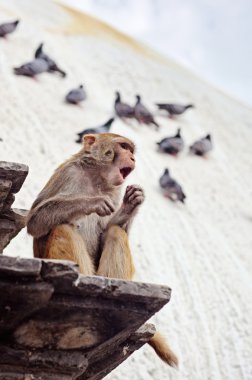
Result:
x=8 y=28
x=33 y=68
x=76 y=96
x=172 y=145
x=202 y=146
x=123 y=110
x=104 y=128
x=174 y=109
x=142 y=114
x=171 y=188
x=52 y=66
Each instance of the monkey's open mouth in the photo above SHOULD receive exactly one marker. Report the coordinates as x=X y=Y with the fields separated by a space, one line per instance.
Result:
x=125 y=172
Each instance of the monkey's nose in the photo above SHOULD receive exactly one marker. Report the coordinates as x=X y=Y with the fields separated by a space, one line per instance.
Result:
x=132 y=159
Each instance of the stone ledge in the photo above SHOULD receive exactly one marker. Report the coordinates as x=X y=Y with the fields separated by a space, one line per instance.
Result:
x=58 y=324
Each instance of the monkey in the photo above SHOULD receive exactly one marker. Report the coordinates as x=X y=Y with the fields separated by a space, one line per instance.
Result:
x=78 y=216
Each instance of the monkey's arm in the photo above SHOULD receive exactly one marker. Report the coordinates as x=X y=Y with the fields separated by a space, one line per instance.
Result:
x=63 y=209
x=133 y=198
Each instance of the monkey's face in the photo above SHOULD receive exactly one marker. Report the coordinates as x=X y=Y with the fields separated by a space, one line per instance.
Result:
x=123 y=163
x=112 y=155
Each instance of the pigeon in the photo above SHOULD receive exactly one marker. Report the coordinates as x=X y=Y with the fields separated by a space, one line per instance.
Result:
x=142 y=114
x=104 y=128
x=53 y=67
x=172 y=145
x=202 y=146
x=76 y=96
x=174 y=109
x=8 y=28
x=1 y=139
x=33 y=68
x=171 y=188
x=123 y=110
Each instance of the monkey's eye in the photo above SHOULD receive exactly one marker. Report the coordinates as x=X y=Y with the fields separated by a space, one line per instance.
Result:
x=108 y=153
x=124 y=146
x=127 y=147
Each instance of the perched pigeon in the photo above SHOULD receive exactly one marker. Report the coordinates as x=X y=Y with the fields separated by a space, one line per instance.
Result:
x=52 y=66
x=142 y=114
x=123 y=110
x=104 y=128
x=76 y=96
x=33 y=68
x=202 y=146
x=8 y=28
x=172 y=145
x=171 y=188
x=174 y=109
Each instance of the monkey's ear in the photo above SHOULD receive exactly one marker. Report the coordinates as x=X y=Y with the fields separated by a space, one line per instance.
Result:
x=88 y=141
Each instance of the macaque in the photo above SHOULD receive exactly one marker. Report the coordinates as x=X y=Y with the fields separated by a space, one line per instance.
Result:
x=77 y=216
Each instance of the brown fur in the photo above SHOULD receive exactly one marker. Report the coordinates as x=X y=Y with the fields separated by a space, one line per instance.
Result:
x=77 y=215
x=116 y=260
x=65 y=243
x=163 y=350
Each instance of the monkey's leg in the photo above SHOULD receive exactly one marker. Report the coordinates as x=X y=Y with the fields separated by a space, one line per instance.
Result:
x=116 y=260
x=65 y=243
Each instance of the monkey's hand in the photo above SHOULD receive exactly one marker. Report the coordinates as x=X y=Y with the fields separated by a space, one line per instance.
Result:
x=134 y=197
x=102 y=206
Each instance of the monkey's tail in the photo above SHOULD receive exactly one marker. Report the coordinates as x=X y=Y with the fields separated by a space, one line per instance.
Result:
x=163 y=350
